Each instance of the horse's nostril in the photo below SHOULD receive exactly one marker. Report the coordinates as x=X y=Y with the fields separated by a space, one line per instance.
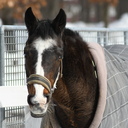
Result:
x=36 y=104
x=47 y=96
x=29 y=99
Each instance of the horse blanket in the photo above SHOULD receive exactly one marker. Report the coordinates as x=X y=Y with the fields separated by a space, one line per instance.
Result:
x=112 y=70
x=116 y=110
x=112 y=110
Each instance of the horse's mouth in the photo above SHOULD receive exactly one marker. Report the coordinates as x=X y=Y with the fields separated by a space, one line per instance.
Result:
x=37 y=115
x=37 y=111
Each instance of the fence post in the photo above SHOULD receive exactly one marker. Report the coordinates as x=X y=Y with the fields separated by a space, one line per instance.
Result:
x=2 y=78
x=126 y=37
x=105 y=36
x=98 y=38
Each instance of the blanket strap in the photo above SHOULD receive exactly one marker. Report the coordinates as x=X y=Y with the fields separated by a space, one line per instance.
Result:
x=93 y=63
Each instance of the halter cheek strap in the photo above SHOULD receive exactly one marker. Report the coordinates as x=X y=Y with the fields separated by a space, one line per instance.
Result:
x=61 y=68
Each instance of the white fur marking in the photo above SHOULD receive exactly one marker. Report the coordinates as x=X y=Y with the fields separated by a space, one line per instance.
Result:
x=40 y=46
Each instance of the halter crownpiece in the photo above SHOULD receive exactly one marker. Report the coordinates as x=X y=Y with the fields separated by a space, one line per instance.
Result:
x=38 y=79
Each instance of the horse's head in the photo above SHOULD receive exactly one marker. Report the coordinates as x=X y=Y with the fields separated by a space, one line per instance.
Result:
x=43 y=55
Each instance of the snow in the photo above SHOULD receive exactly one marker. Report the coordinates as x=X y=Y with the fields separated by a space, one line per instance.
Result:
x=79 y=24
x=1 y=22
x=91 y=32
x=121 y=23
x=11 y=96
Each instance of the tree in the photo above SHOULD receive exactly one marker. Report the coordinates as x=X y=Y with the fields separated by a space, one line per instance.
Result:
x=122 y=8
x=105 y=4
x=51 y=9
x=113 y=2
x=85 y=9
x=12 y=11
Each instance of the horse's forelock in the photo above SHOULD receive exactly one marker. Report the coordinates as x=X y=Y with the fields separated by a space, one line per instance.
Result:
x=45 y=30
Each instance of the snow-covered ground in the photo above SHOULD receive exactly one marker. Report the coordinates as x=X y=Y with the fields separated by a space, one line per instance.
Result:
x=97 y=33
x=121 y=23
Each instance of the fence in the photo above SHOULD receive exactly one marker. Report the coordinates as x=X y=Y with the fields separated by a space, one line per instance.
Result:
x=12 y=71
x=12 y=41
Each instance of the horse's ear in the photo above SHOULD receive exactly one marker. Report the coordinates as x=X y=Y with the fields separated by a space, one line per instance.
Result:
x=59 y=22
x=30 y=20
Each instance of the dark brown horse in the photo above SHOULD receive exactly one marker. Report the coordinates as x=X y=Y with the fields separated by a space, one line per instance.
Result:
x=59 y=69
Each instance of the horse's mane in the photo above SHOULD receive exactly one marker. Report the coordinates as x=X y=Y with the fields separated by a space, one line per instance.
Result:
x=44 y=30
x=76 y=58
x=76 y=51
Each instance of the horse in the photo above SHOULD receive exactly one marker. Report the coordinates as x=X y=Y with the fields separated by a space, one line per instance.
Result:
x=60 y=72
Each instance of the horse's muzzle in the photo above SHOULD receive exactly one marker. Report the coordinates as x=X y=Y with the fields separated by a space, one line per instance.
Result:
x=38 y=79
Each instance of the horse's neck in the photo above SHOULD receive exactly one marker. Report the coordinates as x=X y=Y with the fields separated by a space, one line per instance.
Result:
x=76 y=100
x=74 y=108
x=77 y=92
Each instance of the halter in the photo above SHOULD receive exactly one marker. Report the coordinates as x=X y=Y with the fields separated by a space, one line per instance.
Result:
x=38 y=79
x=61 y=68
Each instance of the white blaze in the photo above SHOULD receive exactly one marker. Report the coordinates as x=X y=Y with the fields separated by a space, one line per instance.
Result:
x=41 y=46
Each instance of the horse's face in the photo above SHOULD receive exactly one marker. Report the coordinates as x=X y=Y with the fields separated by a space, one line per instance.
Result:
x=43 y=54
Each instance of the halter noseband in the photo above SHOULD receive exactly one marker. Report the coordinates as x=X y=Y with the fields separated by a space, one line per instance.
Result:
x=38 y=79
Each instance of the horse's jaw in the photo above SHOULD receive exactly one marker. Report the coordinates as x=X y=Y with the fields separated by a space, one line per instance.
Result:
x=38 y=111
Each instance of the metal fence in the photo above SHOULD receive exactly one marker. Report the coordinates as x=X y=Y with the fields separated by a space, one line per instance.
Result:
x=12 y=41
x=12 y=71
x=105 y=36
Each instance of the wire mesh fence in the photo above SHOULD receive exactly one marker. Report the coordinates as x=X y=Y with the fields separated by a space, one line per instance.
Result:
x=105 y=36
x=12 y=73
x=12 y=42
x=13 y=55
x=14 y=117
